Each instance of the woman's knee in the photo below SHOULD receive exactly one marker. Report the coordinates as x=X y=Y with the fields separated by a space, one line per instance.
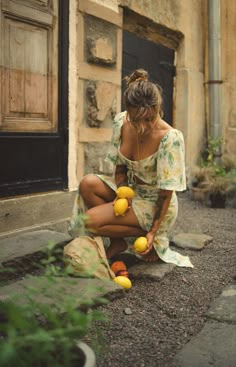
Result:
x=88 y=184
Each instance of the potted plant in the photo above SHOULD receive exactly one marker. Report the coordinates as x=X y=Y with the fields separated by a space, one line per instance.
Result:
x=200 y=183
x=214 y=178
x=35 y=332
x=219 y=188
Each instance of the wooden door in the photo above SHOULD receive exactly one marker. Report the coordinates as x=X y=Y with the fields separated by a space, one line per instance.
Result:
x=33 y=125
x=158 y=60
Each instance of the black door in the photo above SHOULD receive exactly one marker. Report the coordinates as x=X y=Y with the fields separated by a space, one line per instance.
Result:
x=34 y=121
x=156 y=59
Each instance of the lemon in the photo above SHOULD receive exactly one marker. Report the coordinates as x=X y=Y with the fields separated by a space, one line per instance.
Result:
x=125 y=192
x=123 y=281
x=140 y=244
x=120 y=206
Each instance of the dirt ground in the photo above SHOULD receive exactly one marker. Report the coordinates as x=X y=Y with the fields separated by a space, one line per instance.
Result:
x=156 y=318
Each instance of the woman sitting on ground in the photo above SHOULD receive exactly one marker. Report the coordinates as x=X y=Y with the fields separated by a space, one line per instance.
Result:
x=147 y=154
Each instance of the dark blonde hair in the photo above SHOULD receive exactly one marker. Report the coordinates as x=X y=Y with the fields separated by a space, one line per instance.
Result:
x=142 y=94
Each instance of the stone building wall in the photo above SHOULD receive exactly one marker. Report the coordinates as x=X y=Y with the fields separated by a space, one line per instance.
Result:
x=228 y=33
x=95 y=72
x=94 y=84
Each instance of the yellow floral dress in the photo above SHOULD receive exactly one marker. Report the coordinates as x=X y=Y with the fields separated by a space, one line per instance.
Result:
x=165 y=169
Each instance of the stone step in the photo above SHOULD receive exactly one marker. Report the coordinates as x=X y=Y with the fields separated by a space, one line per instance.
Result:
x=23 y=252
x=50 y=210
x=83 y=290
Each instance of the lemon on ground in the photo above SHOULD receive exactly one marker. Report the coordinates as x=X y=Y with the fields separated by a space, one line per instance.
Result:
x=125 y=192
x=123 y=281
x=140 y=244
x=120 y=206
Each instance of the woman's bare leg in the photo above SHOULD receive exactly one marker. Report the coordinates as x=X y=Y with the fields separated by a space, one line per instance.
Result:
x=95 y=192
x=102 y=221
x=117 y=245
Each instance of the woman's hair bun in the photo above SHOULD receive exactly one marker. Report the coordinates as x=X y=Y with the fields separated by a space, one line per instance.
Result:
x=137 y=75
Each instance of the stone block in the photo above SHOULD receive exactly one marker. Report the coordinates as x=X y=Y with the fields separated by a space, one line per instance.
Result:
x=100 y=103
x=94 y=155
x=83 y=290
x=195 y=241
x=29 y=243
x=100 y=41
x=213 y=346
x=100 y=51
x=224 y=307
x=156 y=270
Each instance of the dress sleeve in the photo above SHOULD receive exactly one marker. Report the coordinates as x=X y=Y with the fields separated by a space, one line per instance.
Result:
x=171 y=162
x=112 y=156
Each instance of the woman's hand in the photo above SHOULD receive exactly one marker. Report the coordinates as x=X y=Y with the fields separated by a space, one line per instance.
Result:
x=150 y=254
x=150 y=238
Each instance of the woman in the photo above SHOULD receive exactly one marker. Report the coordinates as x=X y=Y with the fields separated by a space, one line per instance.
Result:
x=148 y=155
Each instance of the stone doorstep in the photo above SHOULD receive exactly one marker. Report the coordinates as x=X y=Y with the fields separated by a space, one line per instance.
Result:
x=30 y=212
x=29 y=243
x=21 y=254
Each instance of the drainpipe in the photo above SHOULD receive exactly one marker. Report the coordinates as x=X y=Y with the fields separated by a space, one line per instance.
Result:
x=214 y=69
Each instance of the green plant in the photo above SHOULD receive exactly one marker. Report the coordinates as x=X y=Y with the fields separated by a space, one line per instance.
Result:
x=44 y=327
x=216 y=173
x=213 y=150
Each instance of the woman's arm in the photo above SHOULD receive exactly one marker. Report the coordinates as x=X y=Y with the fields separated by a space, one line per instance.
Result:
x=121 y=178
x=162 y=205
x=163 y=202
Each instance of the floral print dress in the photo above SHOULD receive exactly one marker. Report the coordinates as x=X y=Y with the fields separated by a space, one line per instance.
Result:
x=165 y=169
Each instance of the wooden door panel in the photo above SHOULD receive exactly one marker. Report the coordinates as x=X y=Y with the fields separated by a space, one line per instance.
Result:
x=33 y=96
x=30 y=71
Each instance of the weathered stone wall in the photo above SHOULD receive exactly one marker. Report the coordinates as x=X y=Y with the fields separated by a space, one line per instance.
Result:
x=228 y=32
x=95 y=84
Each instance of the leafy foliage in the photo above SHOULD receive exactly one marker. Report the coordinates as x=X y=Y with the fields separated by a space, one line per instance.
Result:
x=216 y=173
x=35 y=332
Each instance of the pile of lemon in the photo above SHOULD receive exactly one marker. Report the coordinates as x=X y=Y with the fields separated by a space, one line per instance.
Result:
x=140 y=244
x=121 y=204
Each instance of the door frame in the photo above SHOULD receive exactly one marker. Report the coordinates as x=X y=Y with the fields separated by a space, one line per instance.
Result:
x=63 y=86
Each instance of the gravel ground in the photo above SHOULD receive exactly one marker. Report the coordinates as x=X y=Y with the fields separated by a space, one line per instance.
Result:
x=166 y=314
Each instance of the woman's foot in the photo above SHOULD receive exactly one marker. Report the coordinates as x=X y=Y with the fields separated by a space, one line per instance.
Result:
x=151 y=256
x=117 y=245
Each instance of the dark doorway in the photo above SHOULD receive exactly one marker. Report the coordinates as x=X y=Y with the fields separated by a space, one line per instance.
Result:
x=158 y=60
x=34 y=125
